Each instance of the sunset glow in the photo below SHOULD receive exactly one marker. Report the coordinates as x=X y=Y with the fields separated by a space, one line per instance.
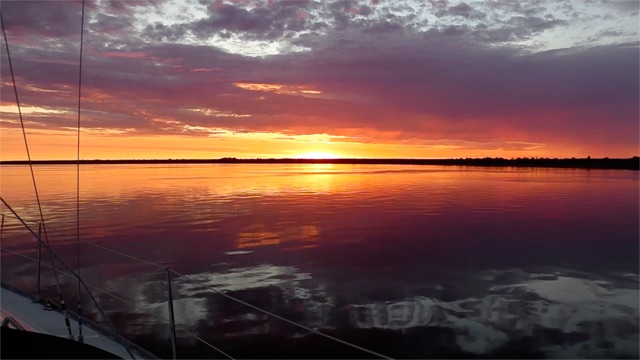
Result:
x=318 y=155
x=342 y=179
x=439 y=79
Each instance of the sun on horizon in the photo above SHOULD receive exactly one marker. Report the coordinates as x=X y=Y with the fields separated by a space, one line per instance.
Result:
x=317 y=155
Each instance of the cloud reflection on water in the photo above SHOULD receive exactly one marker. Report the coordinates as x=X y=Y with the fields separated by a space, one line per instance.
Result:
x=356 y=249
x=595 y=317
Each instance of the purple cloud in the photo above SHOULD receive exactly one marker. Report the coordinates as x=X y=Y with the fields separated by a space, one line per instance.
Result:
x=461 y=75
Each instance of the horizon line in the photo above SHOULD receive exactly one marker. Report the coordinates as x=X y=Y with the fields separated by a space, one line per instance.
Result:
x=233 y=158
x=631 y=163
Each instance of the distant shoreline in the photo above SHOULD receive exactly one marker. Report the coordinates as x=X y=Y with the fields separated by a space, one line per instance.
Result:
x=582 y=163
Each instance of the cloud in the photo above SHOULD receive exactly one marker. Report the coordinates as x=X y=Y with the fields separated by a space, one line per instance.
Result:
x=264 y=23
x=271 y=21
x=462 y=10
x=43 y=18
x=371 y=72
x=111 y=24
x=626 y=7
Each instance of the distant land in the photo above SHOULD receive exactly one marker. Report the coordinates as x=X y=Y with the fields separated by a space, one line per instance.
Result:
x=583 y=163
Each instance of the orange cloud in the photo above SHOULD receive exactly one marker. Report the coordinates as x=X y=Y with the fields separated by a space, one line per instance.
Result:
x=278 y=88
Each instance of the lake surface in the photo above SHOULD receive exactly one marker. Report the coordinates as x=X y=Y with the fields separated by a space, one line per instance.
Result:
x=408 y=261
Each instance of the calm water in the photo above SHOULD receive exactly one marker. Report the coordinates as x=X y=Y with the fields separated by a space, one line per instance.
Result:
x=410 y=261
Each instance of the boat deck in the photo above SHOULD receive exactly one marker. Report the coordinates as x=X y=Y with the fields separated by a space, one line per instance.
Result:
x=33 y=317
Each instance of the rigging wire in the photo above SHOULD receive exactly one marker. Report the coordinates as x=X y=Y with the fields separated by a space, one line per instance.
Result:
x=134 y=305
x=66 y=234
x=232 y=298
x=80 y=337
x=33 y=178
x=202 y=282
x=120 y=339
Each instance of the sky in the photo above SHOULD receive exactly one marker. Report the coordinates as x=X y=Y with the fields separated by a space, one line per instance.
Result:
x=373 y=78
